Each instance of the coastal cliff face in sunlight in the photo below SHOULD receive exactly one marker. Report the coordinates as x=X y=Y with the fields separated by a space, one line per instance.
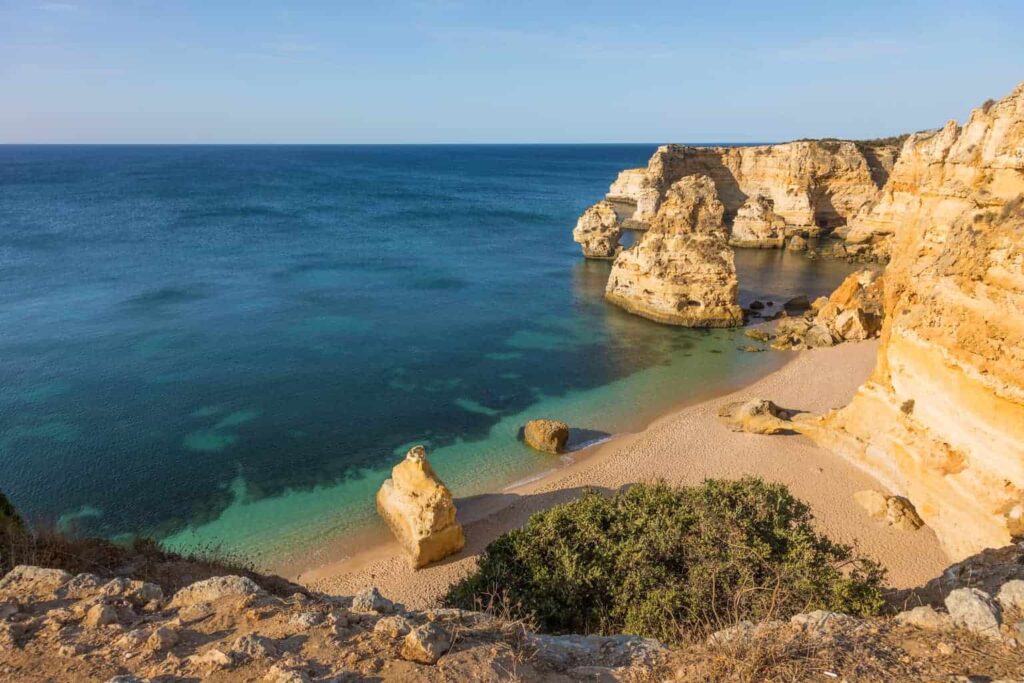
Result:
x=941 y=420
x=681 y=271
x=812 y=184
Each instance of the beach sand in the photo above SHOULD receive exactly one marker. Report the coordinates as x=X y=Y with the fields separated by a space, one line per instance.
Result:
x=685 y=446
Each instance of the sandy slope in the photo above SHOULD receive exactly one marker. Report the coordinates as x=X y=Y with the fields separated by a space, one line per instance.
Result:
x=684 y=447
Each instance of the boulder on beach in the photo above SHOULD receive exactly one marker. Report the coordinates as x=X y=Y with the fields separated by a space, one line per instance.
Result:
x=420 y=511
x=548 y=436
x=757 y=416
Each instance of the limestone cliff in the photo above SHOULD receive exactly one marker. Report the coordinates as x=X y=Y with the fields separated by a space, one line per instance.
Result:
x=681 y=271
x=813 y=184
x=941 y=420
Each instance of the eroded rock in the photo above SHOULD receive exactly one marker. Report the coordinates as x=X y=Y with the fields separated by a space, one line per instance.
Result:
x=975 y=611
x=426 y=644
x=548 y=436
x=598 y=231
x=420 y=511
x=757 y=416
x=681 y=271
x=213 y=589
x=757 y=225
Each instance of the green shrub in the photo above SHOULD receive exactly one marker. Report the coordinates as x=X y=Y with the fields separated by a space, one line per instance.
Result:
x=661 y=561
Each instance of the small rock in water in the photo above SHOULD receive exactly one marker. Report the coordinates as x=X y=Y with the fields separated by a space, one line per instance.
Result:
x=548 y=436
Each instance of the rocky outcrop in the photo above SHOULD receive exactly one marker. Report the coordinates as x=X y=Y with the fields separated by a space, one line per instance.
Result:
x=896 y=511
x=681 y=271
x=853 y=312
x=598 y=231
x=548 y=436
x=225 y=630
x=757 y=225
x=419 y=509
x=941 y=420
x=813 y=184
x=942 y=173
x=756 y=416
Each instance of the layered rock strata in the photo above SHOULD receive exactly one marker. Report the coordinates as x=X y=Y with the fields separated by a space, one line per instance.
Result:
x=813 y=184
x=757 y=225
x=941 y=420
x=681 y=271
x=598 y=231
x=419 y=509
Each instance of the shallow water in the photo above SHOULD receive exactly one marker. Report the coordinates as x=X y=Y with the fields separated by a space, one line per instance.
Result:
x=232 y=345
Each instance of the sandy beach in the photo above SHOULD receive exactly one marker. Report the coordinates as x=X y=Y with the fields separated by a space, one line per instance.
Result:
x=684 y=446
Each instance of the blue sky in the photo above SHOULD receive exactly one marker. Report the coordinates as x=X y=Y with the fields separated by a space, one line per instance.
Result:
x=512 y=71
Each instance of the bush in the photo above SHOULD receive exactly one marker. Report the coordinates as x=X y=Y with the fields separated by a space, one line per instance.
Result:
x=662 y=561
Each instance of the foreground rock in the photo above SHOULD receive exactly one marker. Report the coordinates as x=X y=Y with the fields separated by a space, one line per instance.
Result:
x=241 y=635
x=419 y=509
x=757 y=225
x=941 y=420
x=598 y=231
x=548 y=436
x=681 y=271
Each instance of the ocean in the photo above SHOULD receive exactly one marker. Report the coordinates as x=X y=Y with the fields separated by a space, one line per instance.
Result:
x=230 y=346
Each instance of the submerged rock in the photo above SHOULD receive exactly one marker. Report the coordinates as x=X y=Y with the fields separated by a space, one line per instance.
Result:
x=419 y=509
x=681 y=271
x=598 y=231
x=548 y=436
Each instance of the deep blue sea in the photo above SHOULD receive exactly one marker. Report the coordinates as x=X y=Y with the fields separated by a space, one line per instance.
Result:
x=232 y=345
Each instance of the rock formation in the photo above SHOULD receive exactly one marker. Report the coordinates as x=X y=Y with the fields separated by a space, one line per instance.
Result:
x=757 y=416
x=681 y=271
x=419 y=509
x=598 y=231
x=853 y=312
x=59 y=627
x=896 y=511
x=757 y=225
x=941 y=420
x=548 y=436
x=813 y=184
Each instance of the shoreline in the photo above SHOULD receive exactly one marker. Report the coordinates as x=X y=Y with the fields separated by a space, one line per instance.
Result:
x=815 y=381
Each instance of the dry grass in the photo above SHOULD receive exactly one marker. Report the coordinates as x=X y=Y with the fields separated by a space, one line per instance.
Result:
x=141 y=559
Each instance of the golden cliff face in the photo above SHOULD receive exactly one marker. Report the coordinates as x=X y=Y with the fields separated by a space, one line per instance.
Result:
x=941 y=420
x=812 y=184
x=681 y=271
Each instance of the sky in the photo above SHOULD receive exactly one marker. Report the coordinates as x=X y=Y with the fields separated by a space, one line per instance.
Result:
x=515 y=71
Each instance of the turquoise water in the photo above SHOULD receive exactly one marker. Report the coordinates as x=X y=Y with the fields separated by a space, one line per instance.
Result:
x=233 y=345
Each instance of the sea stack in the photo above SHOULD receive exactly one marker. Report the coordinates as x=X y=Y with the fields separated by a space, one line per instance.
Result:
x=419 y=509
x=681 y=271
x=757 y=225
x=941 y=420
x=598 y=231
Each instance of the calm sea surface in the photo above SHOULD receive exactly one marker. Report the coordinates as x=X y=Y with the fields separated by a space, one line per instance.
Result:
x=232 y=345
